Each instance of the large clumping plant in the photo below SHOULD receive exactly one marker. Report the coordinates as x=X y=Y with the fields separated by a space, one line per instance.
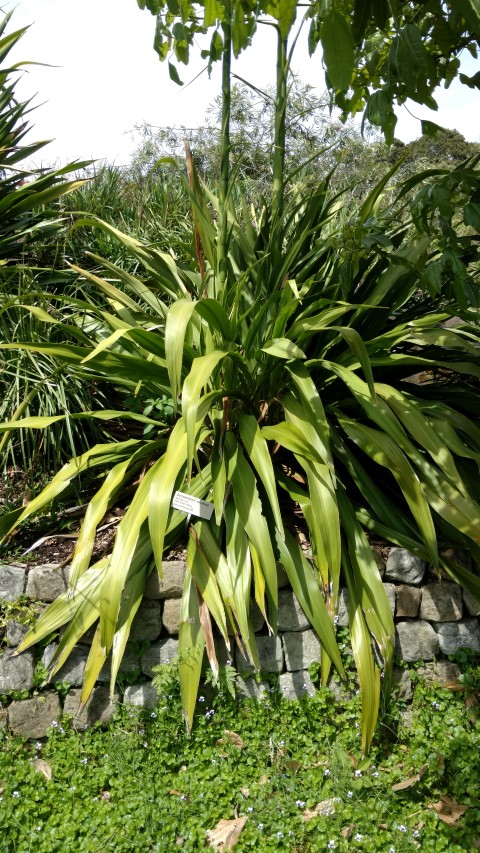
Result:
x=290 y=352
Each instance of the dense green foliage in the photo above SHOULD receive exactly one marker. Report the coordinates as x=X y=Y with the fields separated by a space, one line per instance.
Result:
x=143 y=785
x=375 y=53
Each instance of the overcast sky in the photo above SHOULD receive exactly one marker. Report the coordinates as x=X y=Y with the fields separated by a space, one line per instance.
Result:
x=107 y=78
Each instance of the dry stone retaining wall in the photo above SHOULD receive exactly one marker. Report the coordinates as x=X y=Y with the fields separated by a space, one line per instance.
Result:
x=433 y=618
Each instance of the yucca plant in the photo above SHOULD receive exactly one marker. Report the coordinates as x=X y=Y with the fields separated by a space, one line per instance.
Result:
x=287 y=355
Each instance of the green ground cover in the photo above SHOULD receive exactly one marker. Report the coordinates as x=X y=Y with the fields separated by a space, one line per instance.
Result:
x=294 y=770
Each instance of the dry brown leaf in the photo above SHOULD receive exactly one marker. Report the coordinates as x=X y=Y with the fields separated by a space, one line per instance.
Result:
x=226 y=833
x=174 y=793
x=407 y=783
x=42 y=767
x=346 y=833
x=448 y=809
x=245 y=792
x=263 y=779
x=292 y=764
x=232 y=737
x=455 y=685
x=325 y=808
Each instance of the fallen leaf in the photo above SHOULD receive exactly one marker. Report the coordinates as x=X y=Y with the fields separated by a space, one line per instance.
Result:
x=264 y=779
x=448 y=809
x=174 y=793
x=43 y=767
x=346 y=833
x=232 y=737
x=455 y=685
x=326 y=808
x=226 y=833
x=292 y=764
x=245 y=792
x=407 y=783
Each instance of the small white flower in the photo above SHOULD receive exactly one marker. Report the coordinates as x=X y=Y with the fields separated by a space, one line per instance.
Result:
x=349 y=794
x=61 y=730
x=54 y=724
x=84 y=761
x=335 y=620
x=436 y=706
x=402 y=828
x=415 y=833
x=213 y=761
x=145 y=745
x=38 y=745
x=15 y=793
x=358 y=773
x=331 y=845
x=183 y=797
x=72 y=788
x=279 y=834
x=392 y=850
x=259 y=825
x=300 y=803
x=358 y=837
x=290 y=832
x=153 y=715
x=250 y=809
x=281 y=743
x=201 y=698
x=375 y=775
x=326 y=772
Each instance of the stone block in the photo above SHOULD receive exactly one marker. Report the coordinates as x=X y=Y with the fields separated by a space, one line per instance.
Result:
x=15 y=632
x=379 y=559
x=163 y=651
x=453 y=636
x=408 y=600
x=340 y=691
x=301 y=649
x=46 y=583
x=415 y=641
x=99 y=707
x=170 y=585
x=404 y=567
x=290 y=615
x=295 y=685
x=390 y=593
x=441 y=672
x=3 y=719
x=441 y=602
x=472 y=604
x=270 y=653
x=129 y=665
x=257 y=619
x=12 y=582
x=73 y=669
x=402 y=684
x=249 y=688
x=171 y=615
x=282 y=577
x=342 y=609
x=141 y=695
x=32 y=718
x=16 y=672
x=147 y=623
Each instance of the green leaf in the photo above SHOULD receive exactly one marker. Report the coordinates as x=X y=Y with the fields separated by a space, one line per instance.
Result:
x=338 y=50
x=283 y=348
x=173 y=74
x=191 y=644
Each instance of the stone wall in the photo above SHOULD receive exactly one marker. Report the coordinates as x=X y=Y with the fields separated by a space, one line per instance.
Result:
x=433 y=619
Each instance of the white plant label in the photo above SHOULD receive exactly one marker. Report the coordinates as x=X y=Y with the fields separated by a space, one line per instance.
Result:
x=192 y=506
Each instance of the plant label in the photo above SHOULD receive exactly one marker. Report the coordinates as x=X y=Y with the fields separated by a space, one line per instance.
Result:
x=193 y=506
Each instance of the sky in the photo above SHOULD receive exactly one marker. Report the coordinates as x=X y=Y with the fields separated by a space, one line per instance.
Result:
x=103 y=78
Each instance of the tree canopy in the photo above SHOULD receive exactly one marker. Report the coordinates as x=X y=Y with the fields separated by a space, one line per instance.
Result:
x=376 y=53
